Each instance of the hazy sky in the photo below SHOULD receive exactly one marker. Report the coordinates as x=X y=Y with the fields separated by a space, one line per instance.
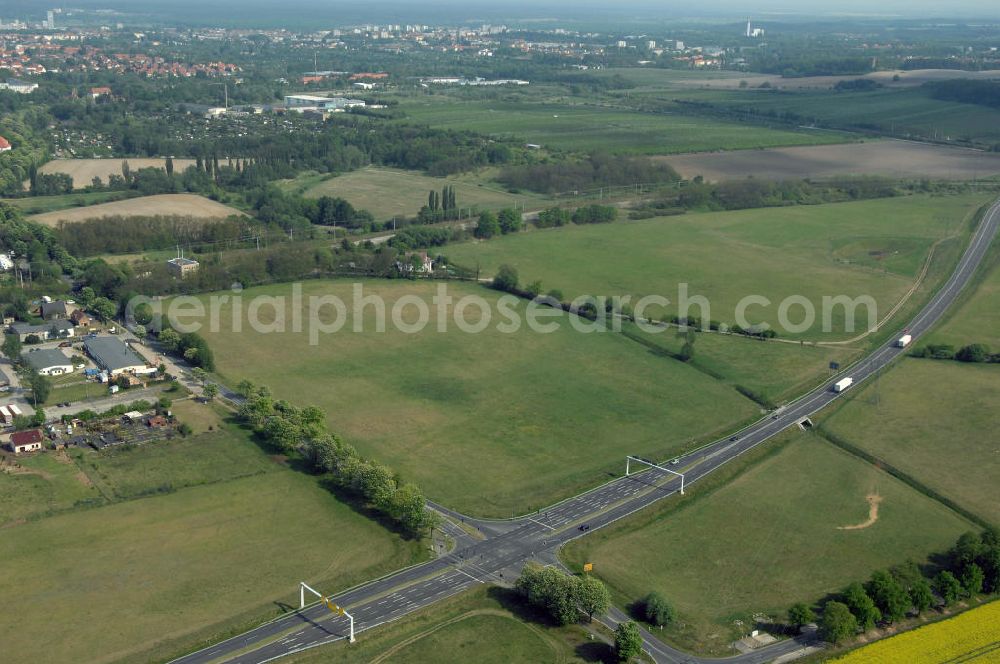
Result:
x=433 y=11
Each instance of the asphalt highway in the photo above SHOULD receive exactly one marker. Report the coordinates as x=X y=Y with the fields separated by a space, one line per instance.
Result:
x=507 y=545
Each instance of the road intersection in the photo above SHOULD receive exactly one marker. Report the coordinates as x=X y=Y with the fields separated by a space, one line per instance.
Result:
x=506 y=545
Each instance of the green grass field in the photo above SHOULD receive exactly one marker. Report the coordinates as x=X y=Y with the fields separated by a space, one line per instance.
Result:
x=873 y=248
x=42 y=204
x=45 y=483
x=934 y=420
x=772 y=371
x=481 y=625
x=577 y=125
x=978 y=318
x=767 y=538
x=144 y=579
x=484 y=422
x=391 y=192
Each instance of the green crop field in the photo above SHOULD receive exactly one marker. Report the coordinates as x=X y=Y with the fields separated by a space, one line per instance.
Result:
x=902 y=112
x=768 y=538
x=575 y=125
x=934 y=420
x=481 y=625
x=143 y=579
x=391 y=192
x=874 y=248
x=483 y=422
x=772 y=371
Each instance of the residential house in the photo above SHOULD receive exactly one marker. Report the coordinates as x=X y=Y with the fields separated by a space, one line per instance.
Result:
x=26 y=441
x=80 y=318
x=57 y=329
x=53 y=310
x=4 y=144
x=96 y=93
x=114 y=357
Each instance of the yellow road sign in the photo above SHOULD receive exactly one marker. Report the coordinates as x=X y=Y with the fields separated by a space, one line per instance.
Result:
x=588 y=567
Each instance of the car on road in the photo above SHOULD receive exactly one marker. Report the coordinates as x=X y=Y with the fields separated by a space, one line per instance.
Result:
x=584 y=528
x=675 y=461
x=733 y=439
x=65 y=344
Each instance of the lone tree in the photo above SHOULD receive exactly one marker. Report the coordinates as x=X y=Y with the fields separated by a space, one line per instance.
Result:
x=800 y=614
x=506 y=279
x=211 y=390
x=837 y=623
x=592 y=596
x=657 y=610
x=11 y=347
x=628 y=641
x=948 y=587
x=861 y=606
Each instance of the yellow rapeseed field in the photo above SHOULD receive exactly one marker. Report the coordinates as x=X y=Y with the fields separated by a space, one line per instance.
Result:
x=973 y=636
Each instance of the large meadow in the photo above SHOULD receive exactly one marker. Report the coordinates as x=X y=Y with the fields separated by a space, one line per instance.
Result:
x=574 y=124
x=483 y=422
x=874 y=248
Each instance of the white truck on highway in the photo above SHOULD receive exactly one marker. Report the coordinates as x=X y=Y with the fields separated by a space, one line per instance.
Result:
x=904 y=341
x=843 y=384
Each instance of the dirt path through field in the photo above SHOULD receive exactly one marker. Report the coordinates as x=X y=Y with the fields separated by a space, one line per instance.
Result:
x=873 y=502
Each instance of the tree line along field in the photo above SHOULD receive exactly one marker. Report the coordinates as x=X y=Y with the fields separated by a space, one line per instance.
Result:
x=483 y=423
x=192 y=538
x=875 y=248
x=581 y=126
x=481 y=625
x=389 y=192
x=770 y=370
x=83 y=171
x=182 y=205
x=969 y=637
x=749 y=546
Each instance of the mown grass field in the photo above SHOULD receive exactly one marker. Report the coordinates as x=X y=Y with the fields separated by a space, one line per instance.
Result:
x=968 y=637
x=481 y=625
x=576 y=125
x=144 y=579
x=978 y=318
x=483 y=422
x=765 y=539
x=389 y=192
x=935 y=420
x=874 y=248
x=772 y=371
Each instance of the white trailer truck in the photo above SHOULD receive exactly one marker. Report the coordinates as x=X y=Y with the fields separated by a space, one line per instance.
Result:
x=904 y=341
x=843 y=384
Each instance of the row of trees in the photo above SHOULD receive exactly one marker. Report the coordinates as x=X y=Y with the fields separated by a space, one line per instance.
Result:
x=120 y=234
x=291 y=429
x=972 y=567
x=976 y=353
x=597 y=170
x=491 y=223
x=561 y=597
